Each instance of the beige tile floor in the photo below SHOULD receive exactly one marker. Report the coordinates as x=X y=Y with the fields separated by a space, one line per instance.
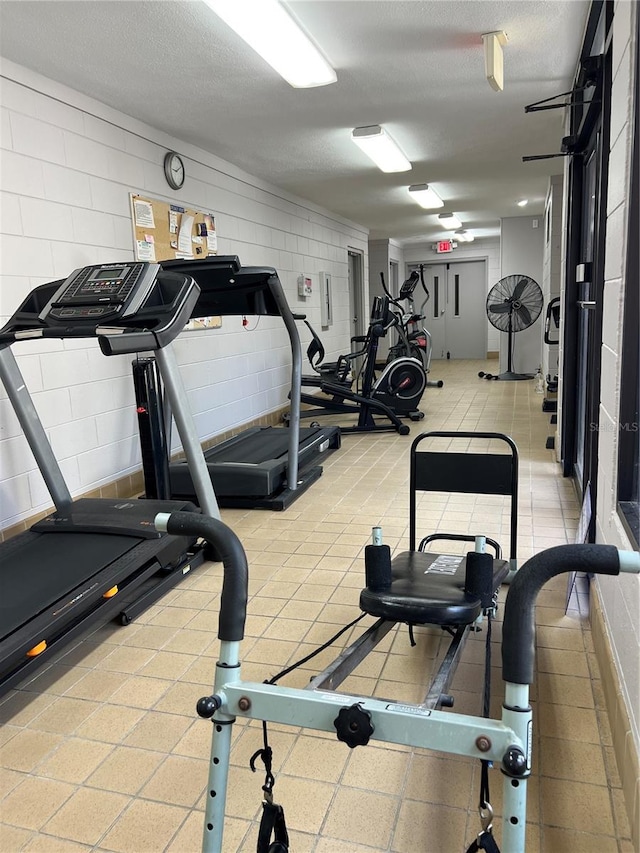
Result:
x=102 y=750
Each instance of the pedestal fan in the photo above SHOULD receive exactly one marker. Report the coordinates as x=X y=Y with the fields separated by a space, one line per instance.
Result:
x=513 y=304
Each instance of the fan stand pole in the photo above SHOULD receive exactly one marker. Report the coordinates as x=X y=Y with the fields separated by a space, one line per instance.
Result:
x=510 y=376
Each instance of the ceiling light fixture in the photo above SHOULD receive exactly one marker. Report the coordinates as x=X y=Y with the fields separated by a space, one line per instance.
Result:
x=269 y=29
x=493 y=60
x=523 y=202
x=380 y=147
x=463 y=236
x=425 y=196
x=449 y=221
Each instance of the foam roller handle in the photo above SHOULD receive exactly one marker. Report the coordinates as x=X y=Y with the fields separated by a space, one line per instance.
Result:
x=518 y=630
x=478 y=581
x=377 y=567
x=233 y=599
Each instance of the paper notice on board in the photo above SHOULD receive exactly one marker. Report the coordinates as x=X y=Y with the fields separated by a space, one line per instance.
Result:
x=143 y=213
x=146 y=251
x=184 y=235
x=212 y=239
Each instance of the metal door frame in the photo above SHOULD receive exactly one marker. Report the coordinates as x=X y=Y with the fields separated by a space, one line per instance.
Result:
x=356 y=291
x=590 y=125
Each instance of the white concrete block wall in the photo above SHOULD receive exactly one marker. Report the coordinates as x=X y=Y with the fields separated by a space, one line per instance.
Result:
x=620 y=596
x=487 y=249
x=68 y=165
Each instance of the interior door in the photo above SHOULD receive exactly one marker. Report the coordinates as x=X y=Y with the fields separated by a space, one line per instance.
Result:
x=435 y=277
x=465 y=316
x=455 y=313
x=356 y=297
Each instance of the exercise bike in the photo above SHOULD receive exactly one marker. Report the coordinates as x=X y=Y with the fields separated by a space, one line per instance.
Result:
x=413 y=339
x=394 y=394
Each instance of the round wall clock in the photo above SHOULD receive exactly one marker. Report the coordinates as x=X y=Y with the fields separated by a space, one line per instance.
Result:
x=174 y=170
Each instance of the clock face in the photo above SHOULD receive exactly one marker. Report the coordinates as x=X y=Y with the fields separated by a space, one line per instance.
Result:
x=174 y=170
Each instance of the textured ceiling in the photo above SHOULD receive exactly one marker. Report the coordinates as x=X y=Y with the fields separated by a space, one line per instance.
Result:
x=415 y=67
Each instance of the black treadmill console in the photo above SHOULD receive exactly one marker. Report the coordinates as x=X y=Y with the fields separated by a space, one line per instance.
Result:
x=102 y=292
x=130 y=306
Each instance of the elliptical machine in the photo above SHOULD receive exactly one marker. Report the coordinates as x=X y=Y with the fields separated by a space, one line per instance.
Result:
x=403 y=379
x=395 y=394
x=413 y=340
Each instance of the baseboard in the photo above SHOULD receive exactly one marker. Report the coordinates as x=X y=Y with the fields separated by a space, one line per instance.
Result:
x=624 y=744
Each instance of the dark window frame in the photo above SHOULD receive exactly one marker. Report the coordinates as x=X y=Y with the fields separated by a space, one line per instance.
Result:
x=590 y=118
x=629 y=419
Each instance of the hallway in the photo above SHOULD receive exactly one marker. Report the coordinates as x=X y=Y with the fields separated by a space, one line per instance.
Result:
x=103 y=751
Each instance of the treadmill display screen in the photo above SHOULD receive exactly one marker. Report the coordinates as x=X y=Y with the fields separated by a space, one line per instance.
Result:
x=95 y=283
x=109 y=274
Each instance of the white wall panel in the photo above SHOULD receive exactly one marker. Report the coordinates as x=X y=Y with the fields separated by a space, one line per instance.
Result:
x=10 y=214
x=66 y=185
x=6 y=140
x=37 y=139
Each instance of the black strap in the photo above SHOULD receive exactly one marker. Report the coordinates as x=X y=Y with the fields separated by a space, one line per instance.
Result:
x=267 y=756
x=272 y=823
x=485 y=841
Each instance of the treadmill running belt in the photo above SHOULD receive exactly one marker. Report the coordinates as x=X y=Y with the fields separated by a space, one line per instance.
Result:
x=46 y=569
x=269 y=443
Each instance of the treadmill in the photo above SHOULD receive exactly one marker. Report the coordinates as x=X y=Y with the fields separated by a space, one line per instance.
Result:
x=262 y=467
x=94 y=559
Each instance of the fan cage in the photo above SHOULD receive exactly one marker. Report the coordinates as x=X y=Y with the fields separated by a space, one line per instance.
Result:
x=514 y=303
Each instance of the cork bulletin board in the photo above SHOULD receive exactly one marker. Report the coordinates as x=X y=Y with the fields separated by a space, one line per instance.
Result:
x=163 y=231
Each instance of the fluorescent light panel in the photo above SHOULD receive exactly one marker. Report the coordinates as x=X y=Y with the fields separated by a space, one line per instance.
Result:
x=463 y=236
x=269 y=29
x=380 y=147
x=449 y=221
x=523 y=202
x=425 y=196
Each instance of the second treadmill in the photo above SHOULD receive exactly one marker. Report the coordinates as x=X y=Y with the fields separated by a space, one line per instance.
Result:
x=262 y=467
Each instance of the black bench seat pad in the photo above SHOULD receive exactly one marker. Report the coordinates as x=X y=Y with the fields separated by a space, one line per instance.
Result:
x=428 y=589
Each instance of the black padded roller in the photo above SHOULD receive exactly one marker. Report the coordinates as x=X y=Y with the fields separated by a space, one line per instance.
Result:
x=518 y=629
x=233 y=599
x=377 y=567
x=478 y=581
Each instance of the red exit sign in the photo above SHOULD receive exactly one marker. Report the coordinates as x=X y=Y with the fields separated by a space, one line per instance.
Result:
x=444 y=246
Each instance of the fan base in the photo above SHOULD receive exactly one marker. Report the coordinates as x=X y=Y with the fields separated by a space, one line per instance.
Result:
x=510 y=376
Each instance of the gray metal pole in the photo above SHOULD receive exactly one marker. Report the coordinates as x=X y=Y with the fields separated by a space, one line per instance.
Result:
x=296 y=381
x=228 y=666
x=516 y=714
x=31 y=424
x=175 y=390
